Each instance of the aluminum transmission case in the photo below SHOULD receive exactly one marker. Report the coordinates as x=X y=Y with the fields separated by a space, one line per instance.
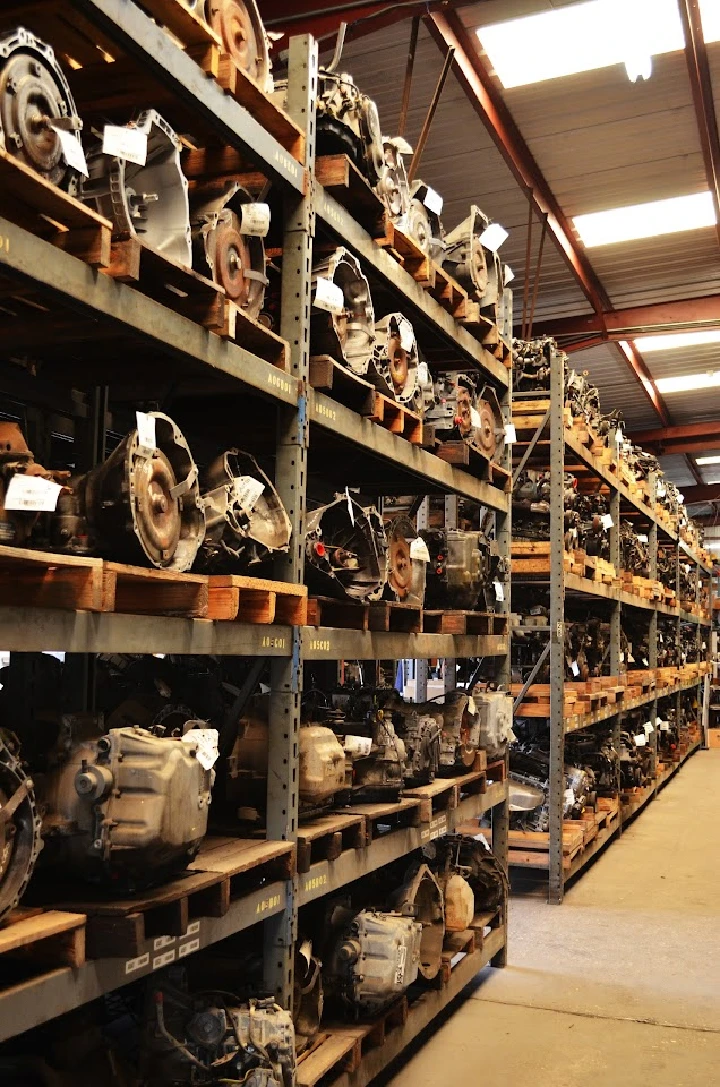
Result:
x=395 y=360
x=210 y=1038
x=243 y=36
x=460 y=571
x=141 y=505
x=345 y=550
x=149 y=201
x=495 y=712
x=420 y=897
x=127 y=808
x=224 y=249
x=34 y=95
x=347 y=335
x=466 y=257
x=16 y=525
x=348 y=123
x=245 y=520
x=374 y=957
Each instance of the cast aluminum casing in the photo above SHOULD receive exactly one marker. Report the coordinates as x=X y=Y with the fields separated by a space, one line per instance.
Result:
x=375 y=958
x=348 y=336
x=149 y=201
x=495 y=713
x=126 y=808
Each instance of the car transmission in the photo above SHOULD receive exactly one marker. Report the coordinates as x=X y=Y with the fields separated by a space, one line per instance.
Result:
x=20 y=825
x=421 y=898
x=460 y=412
x=209 y=1038
x=407 y=559
x=35 y=102
x=127 y=808
x=344 y=330
x=141 y=505
x=372 y=957
x=395 y=360
x=150 y=201
x=321 y=773
x=345 y=550
x=471 y=878
x=375 y=752
x=476 y=268
x=243 y=35
x=245 y=520
x=462 y=570
x=348 y=124
x=16 y=460
x=228 y=231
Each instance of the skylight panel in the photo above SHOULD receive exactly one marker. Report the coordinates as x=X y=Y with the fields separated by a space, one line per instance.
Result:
x=688 y=383
x=646 y=220
x=586 y=36
x=672 y=340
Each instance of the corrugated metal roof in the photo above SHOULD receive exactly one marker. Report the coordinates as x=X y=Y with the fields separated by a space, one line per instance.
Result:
x=460 y=159
x=676 y=467
x=619 y=390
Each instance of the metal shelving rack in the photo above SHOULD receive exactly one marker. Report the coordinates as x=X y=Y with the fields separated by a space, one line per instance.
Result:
x=565 y=452
x=221 y=367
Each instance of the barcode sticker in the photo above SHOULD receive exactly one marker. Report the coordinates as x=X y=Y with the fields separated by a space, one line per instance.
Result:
x=145 y=432
x=328 y=296
x=247 y=490
x=32 y=494
x=499 y=590
x=125 y=142
x=255 y=220
x=433 y=201
x=72 y=150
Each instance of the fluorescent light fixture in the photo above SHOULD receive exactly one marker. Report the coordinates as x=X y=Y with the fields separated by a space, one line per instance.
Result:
x=707 y=460
x=583 y=37
x=646 y=220
x=688 y=383
x=493 y=236
x=672 y=340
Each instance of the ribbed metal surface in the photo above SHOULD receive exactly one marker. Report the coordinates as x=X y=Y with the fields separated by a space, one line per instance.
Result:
x=460 y=159
x=676 y=468
x=618 y=388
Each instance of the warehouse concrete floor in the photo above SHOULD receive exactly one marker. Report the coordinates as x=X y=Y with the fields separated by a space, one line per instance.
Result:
x=621 y=984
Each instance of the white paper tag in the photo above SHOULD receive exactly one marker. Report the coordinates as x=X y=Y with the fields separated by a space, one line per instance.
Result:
x=619 y=437
x=475 y=417
x=622 y=656
x=646 y=662
x=32 y=494
x=145 y=432
x=664 y=726
x=569 y=797
x=328 y=296
x=407 y=335
x=247 y=490
x=72 y=150
x=419 y=550
x=606 y=521
x=508 y=275
x=510 y=433
x=207 y=745
x=471 y=707
x=125 y=142
x=433 y=201
x=350 y=507
x=661 y=490
x=357 y=745
x=575 y=668
x=640 y=739
x=499 y=590
x=649 y=728
x=255 y=220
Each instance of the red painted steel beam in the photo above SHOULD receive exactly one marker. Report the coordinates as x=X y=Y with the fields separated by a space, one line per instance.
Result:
x=683 y=315
x=698 y=68
x=639 y=368
x=487 y=101
x=686 y=432
x=708 y=492
x=323 y=20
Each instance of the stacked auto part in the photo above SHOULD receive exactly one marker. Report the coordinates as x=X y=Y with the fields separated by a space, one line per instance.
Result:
x=35 y=107
x=531 y=508
x=343 y=329
x=18 y=463
x=215 y=1038
x=228 y=231
x=20 y=826
x=462 y=572
x=462 y=411
x=395 y=360
x=346 y=550
x=148 y=200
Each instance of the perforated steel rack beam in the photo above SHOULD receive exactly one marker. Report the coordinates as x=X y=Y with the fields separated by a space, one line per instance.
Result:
x=89 y=292
x=291 y=477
